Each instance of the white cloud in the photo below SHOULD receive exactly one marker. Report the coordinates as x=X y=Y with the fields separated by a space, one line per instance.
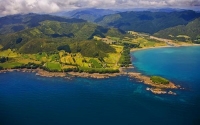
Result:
x=48 y=6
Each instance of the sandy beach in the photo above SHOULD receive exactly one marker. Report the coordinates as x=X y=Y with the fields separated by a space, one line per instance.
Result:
x=177 y=45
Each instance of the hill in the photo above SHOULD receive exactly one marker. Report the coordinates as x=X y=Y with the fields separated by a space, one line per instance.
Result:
x=146 y=21
x=189 y=32
x=60 y=44
x=49 y=35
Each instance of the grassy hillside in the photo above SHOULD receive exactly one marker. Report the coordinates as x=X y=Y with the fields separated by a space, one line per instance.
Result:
x=64 y=61
x=189 y=32
x=148 y=22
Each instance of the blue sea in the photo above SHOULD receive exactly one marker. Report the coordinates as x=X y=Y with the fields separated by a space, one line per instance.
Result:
x=27 y=99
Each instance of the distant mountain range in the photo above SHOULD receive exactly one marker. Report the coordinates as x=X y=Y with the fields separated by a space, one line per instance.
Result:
x=33 y=33
x=15 y=23
x=189 y=32
x=146 y=21
x=89 y=14
x=150 y=21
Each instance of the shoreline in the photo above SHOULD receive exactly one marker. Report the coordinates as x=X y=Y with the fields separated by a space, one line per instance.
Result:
x=154 y=88
x=43 y=73
x=145 y=48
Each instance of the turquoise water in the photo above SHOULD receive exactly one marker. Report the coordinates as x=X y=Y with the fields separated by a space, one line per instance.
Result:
x=27 y=99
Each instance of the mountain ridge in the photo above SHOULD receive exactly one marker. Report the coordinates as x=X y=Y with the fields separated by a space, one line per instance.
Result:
x=146 y=21
x=15 y=23
x=89 y=14
x=49 y=35
x=189 y=32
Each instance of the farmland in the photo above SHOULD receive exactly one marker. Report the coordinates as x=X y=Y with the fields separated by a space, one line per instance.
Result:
x=99 y=55
x=63 y=61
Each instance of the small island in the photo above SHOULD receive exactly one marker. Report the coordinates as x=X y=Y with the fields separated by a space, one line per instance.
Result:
x=159 y=80
x=158 y=85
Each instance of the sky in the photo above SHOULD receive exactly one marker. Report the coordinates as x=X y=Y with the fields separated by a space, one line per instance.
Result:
x=9 y=7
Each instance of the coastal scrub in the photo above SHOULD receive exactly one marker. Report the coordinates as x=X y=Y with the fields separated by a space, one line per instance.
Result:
x=159 y=80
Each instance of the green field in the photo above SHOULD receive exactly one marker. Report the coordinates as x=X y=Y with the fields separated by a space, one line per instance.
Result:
x=53 y=66
x=9 y=65
x=95 y=63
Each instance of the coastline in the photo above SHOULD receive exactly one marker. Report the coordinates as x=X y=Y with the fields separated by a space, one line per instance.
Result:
x=43 y=73
x=154 y=88
x=145 y=48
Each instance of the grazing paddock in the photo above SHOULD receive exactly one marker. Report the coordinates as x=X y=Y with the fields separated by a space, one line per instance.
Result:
x=113 y=58
x=9 y=65
x=63 y=60
x=95 y=63
x=53 y=66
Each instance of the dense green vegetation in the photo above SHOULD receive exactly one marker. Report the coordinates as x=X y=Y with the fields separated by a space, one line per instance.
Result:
x=94 y=48
x=40 y=39
x=148 y=22
x=189 y=32
x=198 y=39
x=64 y=45
x=159 y=80
x=66 y=48
x=3 y=59
x=125 y=58
x=28 y=66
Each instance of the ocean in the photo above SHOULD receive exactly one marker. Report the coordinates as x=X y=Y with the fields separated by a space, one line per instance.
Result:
x=27 y=99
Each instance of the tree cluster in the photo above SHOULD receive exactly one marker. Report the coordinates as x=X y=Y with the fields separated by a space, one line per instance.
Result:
x=3 y=59
x=126 y=58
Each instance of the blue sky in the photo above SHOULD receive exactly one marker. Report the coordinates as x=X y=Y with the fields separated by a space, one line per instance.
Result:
x=8 y=7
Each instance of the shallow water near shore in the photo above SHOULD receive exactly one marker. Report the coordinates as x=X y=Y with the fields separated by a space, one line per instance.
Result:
x=27 y=99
